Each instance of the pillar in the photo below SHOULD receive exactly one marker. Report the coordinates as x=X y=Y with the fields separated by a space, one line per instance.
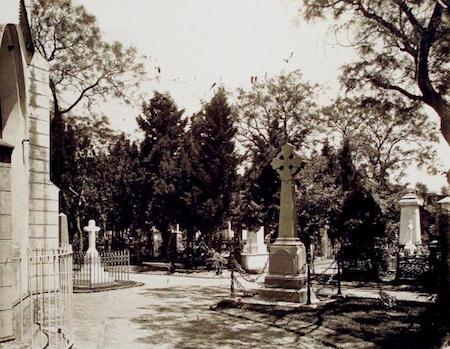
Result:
x=410 y=228
x=6 y=271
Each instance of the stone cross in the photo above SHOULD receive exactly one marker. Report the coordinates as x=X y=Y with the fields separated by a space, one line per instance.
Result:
x=287 y=163
x=92 y=229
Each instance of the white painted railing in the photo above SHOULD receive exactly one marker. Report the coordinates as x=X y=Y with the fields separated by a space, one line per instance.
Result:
x=102 y=270
x=43 y=311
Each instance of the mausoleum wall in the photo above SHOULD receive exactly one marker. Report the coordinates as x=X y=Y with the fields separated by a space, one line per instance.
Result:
x=43 y=193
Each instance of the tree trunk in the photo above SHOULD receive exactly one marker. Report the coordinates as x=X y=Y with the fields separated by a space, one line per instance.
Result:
x=80 y=233
x=165 y=236
x=443 y=110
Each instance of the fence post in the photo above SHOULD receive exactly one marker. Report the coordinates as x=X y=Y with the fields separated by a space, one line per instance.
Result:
x=444 y=233
x=128 y=266
x=232 y=269
x=90 y=270
x=308 y=277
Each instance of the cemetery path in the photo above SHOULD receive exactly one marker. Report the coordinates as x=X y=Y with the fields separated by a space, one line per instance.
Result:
x=173 y=312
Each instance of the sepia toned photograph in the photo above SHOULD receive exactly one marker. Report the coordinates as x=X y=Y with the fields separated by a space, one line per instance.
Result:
x=224 y=174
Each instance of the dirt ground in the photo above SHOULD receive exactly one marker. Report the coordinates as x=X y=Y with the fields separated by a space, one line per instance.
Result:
x=172 y=312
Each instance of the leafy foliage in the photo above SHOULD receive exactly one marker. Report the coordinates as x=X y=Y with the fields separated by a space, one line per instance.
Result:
x=210 y=163
x=279 y=110
x=160 y=155
x=403 y=47
x=386 y=135
x=83 y=67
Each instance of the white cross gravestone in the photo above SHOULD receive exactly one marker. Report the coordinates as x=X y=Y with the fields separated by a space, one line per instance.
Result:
x=287 y=259
x=93 y=270
x=92 y=230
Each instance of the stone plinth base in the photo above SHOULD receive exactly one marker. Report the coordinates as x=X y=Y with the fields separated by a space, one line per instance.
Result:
x=283 y=295
x=254 y=261
x=95 y=273
x=287 y=257
x=286 y=280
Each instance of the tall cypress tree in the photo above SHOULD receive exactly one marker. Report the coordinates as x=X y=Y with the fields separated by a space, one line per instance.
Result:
x=213 y=177
x=361 y=222
x=164 y=128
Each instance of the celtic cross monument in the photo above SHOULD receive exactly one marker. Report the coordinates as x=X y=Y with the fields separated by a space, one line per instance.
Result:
x=286 y=279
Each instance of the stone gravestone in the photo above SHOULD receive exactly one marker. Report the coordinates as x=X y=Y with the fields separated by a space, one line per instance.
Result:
x=92 y=231
x=175 y=243
x=229 y=233
x=157 y=242
x=63 y=230
x=244 y=235
x=255 y=255
x=325 y=243
x=410 y=229
x=287 y=260
x=92 y=269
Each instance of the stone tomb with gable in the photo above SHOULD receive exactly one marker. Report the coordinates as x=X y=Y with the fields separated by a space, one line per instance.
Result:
x=28 y=199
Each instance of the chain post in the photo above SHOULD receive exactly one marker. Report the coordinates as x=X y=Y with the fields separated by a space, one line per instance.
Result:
x=339 y=292
x=232 y=267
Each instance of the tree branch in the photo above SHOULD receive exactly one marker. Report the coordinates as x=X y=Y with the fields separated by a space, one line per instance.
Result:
x=80 y=97
x=404 y=92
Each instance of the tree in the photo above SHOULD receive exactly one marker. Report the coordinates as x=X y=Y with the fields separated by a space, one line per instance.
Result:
x=279 y=110
x=319 y=195
x=123 y=181
x=211 y=177
x=386 y=134
x=403 y=47
x=160 y=153
x=259 y=193
x=360 y=225
x=83 y=67
x=83 y=176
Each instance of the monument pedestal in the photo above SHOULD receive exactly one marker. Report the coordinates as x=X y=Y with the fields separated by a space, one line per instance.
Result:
x=255 y=255
x=94 y=272
x=286 y=280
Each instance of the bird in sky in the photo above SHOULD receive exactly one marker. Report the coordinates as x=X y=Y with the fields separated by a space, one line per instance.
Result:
x=289 y=58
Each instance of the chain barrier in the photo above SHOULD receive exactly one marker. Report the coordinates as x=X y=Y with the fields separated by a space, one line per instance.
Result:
x=245 y=276
x=327 y=282
x=242 y=273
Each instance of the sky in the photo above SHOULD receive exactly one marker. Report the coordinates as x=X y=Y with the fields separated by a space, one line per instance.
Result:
x=200 y=42
x=196 y=43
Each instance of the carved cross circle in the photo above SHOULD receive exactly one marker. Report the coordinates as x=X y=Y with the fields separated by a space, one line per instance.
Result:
x=91 y=227
x=287 y=162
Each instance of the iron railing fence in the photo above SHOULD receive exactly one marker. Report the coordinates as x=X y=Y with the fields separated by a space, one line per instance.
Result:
x=43 y=309
x=103 y=269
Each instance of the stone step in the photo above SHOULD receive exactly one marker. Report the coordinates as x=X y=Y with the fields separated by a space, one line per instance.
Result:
x=283 y=294
x=285 y=281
